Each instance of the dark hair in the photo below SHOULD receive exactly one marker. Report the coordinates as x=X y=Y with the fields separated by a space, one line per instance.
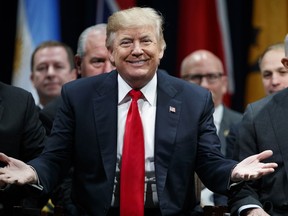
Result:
x=274 y=46
x=52 y=43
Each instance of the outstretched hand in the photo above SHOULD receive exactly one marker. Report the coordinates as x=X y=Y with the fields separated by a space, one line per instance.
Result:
x=15 y=172
x=251 y=168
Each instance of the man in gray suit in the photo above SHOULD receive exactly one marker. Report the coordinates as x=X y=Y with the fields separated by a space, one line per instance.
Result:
x=264 y=126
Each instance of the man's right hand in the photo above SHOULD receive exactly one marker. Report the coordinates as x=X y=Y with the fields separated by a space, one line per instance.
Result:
x=16 y=172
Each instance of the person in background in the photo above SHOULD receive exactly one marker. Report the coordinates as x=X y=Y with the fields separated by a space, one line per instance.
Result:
x=274 y=78
x=92 y=55
x=274 y=74
x=264 y=126
x=21 y=136
x=206 y=69
x=89 y=131
x=52 y=65
x=91 y=59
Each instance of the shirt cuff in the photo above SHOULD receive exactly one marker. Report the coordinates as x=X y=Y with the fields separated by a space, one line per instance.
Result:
x=36 y=185
x=246 y=207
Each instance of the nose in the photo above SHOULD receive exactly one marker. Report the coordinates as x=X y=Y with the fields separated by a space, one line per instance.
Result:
x=137 y=49
x=275 y=79
x=50 y=71
x=204 y=83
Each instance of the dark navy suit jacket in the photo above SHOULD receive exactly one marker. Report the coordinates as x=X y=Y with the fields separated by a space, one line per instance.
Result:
x=85 y=134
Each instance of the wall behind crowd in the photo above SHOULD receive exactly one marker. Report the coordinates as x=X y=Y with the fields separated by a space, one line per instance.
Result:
x=77 y=15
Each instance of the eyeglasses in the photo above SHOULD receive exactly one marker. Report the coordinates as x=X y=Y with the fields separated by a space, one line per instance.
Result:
x=197 y=78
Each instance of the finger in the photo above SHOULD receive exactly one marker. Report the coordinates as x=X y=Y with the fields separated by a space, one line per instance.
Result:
x=11 y=180
x=261 y=173
x=270 y=165
x=264 y=155
x=4 y=158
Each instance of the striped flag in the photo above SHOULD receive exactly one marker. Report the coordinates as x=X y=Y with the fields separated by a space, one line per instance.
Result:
x=203 y=24
x=37 y=21
x=104 y=8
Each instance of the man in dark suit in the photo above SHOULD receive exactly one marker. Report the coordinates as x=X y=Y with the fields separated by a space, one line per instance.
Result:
x=21 y=136
x=88 y=130
x=206 y=69
x=264 y=126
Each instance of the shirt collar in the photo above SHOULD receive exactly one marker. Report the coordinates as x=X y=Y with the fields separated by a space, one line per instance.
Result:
x=149 y=90
x=218 y=114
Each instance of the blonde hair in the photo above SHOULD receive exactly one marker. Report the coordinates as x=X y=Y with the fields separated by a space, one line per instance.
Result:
x=132 y=18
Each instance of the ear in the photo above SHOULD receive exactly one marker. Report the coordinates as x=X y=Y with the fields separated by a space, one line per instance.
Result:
x=224 y=84
x=161 y=54
x=77 y=61
x=32 y=78
x=285 y=62
x=74 y=73
x=111 y=57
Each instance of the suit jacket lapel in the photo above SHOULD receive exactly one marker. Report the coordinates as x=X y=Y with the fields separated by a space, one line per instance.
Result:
x=105 y=114
x=167 y=117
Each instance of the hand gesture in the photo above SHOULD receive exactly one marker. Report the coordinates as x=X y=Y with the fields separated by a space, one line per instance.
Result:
x=15 y=172
x=251 y=168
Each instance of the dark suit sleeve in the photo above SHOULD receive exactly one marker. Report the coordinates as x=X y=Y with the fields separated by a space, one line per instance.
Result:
x=246 y=146
x=49 y=162
x=208 y=142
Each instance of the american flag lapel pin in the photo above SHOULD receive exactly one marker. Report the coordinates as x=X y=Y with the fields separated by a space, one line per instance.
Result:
x=172 y=109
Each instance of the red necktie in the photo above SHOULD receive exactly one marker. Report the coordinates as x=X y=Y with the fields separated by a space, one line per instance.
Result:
x=132 y=165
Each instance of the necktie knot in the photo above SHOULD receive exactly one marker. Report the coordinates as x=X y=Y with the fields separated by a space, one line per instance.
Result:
x=135 y=94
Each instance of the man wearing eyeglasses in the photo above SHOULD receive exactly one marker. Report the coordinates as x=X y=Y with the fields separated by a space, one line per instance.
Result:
x=204 y=68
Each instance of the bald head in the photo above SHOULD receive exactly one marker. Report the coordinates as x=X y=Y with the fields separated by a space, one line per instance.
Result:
x=206 y=69
x=202 y=59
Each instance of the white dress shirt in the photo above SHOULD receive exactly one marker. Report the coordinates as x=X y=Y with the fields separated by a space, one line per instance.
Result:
x=218 y=116
x=147 y=110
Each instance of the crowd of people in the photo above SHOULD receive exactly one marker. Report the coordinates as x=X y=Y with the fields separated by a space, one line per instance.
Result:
x=68 y=147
